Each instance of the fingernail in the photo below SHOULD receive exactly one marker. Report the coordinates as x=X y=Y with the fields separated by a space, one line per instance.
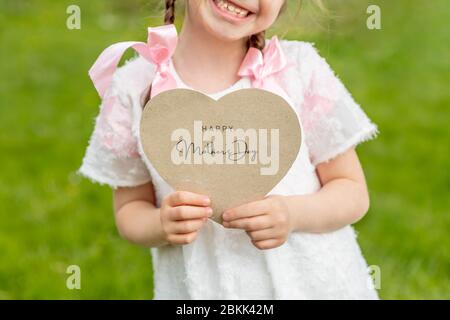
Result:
x=209 y=211
x=206 y=200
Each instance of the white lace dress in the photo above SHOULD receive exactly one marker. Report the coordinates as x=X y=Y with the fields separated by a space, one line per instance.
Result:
x=222 y=263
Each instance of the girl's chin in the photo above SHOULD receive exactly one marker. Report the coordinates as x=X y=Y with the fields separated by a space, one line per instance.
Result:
x=224 y=33
x=222 y=28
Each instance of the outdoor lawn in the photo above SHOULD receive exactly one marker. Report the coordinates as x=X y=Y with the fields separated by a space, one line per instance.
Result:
x=51 y=218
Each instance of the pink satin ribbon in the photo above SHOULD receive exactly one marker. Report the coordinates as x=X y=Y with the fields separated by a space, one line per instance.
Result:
x=262 y=66
x=160 y=46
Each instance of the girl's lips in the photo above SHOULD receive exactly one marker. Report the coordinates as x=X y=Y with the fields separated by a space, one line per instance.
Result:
x=229 y=16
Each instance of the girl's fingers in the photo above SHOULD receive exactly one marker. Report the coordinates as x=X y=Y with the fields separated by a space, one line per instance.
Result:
x=179 y=198
x=250 y=224
x=186 y=226
x=264 y=234
x=267 y=244
x=246 y=210
x=182 y=238
x=188 y=212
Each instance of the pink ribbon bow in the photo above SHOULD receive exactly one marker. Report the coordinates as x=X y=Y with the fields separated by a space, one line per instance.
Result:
x=262 y=66
x=160 y=46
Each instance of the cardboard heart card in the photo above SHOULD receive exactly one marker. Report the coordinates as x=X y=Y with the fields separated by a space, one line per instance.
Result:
x=235 y=149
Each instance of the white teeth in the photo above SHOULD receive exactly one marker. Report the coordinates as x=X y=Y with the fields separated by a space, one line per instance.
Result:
x=230 y=8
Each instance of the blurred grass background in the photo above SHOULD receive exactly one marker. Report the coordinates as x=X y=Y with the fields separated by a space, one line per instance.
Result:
x=50 y=218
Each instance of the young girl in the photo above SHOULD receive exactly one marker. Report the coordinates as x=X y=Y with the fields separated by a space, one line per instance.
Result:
x=296 y=243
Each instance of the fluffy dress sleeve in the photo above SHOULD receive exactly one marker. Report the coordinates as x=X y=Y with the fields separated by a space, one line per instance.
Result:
x=333 y=122
x=112 y=156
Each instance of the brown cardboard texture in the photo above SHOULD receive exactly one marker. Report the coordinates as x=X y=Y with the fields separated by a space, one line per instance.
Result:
x=235 y=150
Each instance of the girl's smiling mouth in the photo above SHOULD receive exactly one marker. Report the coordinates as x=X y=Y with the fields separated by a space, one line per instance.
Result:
x=231 y=11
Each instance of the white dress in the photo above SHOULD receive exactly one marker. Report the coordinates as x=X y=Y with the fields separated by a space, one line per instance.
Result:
x=222 y=263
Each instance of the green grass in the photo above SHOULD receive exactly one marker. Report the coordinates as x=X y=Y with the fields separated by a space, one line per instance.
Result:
x=50 y=218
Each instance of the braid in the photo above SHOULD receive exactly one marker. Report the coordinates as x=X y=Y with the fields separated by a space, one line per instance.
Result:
x=258 y=40
x=169 y=17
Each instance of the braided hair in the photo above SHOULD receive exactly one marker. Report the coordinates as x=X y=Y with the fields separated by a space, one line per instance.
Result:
x=169 y=16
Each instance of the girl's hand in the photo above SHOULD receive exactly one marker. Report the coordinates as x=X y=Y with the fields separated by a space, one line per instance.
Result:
x=267 y=222
x=183 y=213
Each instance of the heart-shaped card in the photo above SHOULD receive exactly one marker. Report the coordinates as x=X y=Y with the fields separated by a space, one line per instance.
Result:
x=235 y=149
